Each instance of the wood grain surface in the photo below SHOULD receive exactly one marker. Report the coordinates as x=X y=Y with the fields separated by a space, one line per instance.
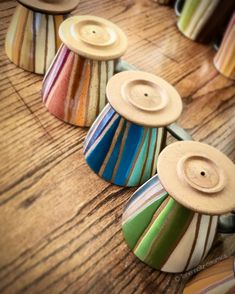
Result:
x=60 y=229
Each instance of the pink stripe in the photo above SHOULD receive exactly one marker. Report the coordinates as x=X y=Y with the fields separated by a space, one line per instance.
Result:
x=55 y=70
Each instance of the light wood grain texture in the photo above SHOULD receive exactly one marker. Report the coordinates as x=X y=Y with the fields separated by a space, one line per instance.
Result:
x=60 y=223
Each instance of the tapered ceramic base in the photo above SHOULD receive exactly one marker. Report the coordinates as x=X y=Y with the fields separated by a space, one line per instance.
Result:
x=163 y=233
x=121 y=152
x=32 y=39
x=74 y=87
x=224 y=60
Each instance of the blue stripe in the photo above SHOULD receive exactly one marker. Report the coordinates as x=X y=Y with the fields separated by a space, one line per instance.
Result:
x=98 y=154
x=108 y=171
x=138 y=193
x=150 y=156
x=128 y=155
x=103 y=123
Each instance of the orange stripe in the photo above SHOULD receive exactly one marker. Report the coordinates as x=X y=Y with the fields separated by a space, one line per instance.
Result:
x=19 y=34
x=26 y=54
x=81 y=113
x=58 y=19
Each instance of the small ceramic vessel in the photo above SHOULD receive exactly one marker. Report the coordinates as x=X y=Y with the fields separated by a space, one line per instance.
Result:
x=32 y=37
x=74 y=87
x=170 y=222
x=217 y=279
x=224 y=60
x=203 y=20
x=123 y=144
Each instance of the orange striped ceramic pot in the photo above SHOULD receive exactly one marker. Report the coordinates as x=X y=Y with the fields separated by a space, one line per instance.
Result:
x=224 y=60
x=32 y=37
x=217 y=279
x=74 y=87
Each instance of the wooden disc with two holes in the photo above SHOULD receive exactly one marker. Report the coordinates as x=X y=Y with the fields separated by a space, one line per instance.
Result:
x=51 y=6
x=144 y=98
x=93 y=37
x=198 y=176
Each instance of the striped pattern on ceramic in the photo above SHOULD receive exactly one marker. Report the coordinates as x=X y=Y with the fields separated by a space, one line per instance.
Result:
x=225 y=58
x=74 y=87
x=164 y=234
x=32 y=40
x=217 y=279
x=122 y=152
x=202 y=20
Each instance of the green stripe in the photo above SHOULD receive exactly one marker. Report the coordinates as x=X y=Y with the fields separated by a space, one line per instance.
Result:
x=134 y=228
x=188 y=11
x=165 y=234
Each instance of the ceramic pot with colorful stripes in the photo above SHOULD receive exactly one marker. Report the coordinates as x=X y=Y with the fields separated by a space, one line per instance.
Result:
x=74 y=87
x=224 y=60
x=123 y=144
x=203 y=20
x=219 y=278
x=32 y=38
x=170 y=222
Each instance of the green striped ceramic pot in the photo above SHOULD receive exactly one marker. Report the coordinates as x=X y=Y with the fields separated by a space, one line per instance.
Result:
x=32 y=38
x=203 y=20
x=123 y=144
x=170 y=222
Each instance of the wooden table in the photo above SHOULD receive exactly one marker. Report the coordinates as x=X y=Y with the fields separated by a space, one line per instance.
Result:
x=59 y=222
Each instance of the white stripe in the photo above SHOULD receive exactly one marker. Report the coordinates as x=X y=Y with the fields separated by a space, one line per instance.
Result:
x=51 y=46
x=211 y=234
x=40 y=42
x=199 y=18
x=179 y=257
x=200 y=242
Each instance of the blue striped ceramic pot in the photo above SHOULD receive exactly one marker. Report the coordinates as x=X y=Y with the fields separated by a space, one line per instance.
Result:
x=122 y=145
x=169 y=223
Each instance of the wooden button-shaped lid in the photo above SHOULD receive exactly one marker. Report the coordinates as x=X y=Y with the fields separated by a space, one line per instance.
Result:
x=51 y=6
x=198 y=176
x=93 y=37
x=144 y=98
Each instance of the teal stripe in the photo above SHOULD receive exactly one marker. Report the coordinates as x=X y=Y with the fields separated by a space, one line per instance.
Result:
x=136 y=172
x=147 y=171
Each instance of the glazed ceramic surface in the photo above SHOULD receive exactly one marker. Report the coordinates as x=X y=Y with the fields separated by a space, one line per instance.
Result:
x=74 y=87
x=122 y=152
x=170 y=222
x=163 y=233
x=32 y=39
x=124 y=142
x=201 y=20
x=217 y=279
x=224 y=60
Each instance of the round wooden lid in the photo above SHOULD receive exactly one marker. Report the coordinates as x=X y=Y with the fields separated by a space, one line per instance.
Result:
x=198 y=176
x=144 y=98
x=51 y=6
x=93 y=37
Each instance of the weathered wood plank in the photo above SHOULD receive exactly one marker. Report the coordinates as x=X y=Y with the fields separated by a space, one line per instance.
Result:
x=59 y=222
